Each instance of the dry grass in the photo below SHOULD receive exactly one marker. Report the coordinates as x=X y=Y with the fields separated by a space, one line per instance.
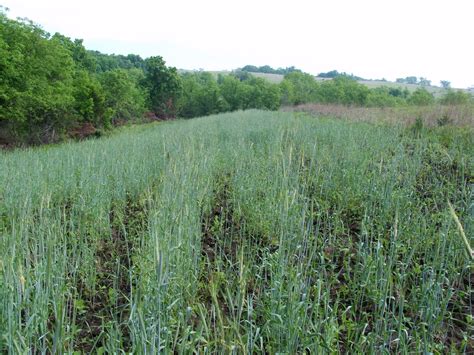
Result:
x=434 y=115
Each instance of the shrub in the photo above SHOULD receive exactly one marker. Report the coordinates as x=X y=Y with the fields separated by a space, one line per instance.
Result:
x=421 y=97
x=455 y=97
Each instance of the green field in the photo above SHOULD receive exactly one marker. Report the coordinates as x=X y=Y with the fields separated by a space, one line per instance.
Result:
x=247 y=232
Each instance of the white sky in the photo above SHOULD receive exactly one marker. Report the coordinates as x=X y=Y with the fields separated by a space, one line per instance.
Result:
x=370 y=38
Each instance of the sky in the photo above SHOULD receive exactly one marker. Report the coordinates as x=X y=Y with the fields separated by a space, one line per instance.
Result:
x=369 y=38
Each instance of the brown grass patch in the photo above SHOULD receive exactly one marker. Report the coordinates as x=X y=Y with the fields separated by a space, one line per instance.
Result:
x=432 y=116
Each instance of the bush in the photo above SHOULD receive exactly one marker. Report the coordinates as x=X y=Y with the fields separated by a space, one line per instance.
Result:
x=263 y=95
x=298 y=88
x=200 y=95
x=455 y=97
x=123 y=95
x=421 y=97
x=343 y=90
x=163 y=86
x=387 y=97
x=204 y=95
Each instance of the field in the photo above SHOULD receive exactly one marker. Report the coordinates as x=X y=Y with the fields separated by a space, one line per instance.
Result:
x=432 y=116
x=246 y=232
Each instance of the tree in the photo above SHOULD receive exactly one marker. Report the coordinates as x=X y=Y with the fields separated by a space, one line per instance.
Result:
x=268 y=69
x=445 y=84
x=35 y=82
x=234 y=92
x=123 y=95
x=81 y=57
x=455 y=97
x=380 y=97
x=421 y=97
x=425 y=82
x=298 y=88
x=343 y=90
x=163 y=85
x=330 y=74
x=264 y=95
x=200 y=95
x=89 y=99
x=408 y=80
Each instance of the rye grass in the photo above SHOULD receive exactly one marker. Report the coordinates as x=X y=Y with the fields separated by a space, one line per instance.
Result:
x=250 y=232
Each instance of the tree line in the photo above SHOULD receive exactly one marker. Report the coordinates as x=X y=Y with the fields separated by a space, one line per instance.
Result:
x=51 y=85
x=299 y=88
x=266 y=69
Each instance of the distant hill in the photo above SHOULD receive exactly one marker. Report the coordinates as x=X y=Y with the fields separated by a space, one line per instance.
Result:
x=436 y=90
x=277 y=78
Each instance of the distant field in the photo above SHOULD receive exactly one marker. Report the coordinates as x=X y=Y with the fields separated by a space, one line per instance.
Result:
x=274 y=78
x=242 y=233
x=431 y=116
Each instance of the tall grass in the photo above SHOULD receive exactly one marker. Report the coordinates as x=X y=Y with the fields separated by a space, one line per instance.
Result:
x=250 y=232
x=432 y=116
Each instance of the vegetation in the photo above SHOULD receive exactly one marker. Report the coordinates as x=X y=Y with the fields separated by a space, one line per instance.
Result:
x=445 y=84
x=300 y=88
x=335 y=74
x=432 y=116
x=247 y=232
x=456 y=97
x=51 y=87
x=341 y=224
x=203 y=95
x=269 y=70
x=163 y=86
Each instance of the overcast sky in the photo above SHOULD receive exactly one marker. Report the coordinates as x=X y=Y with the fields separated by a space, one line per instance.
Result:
x=370 y=38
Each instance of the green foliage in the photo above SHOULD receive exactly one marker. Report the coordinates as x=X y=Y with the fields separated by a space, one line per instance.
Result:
x=200 y=95
x=408 y=80
x=203 y=95
x=455 y=97
x=123 y=93
x=334 y=74
x=298 y=88
x=387 y=97
x=239 y=74
x=445 y=84
x=36 y=77
x=81 y=57
x=249 y=233
x=424 y=82
x=269 y=70
x=50 y=85
x=421 y=97
x=262 y=94
x=234 y=92
x=89 y=99
x=106 y=62
x=343 y=90
x=163 y=85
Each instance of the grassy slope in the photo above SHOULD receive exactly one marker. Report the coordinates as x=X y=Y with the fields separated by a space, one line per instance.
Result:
x=255 y=231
